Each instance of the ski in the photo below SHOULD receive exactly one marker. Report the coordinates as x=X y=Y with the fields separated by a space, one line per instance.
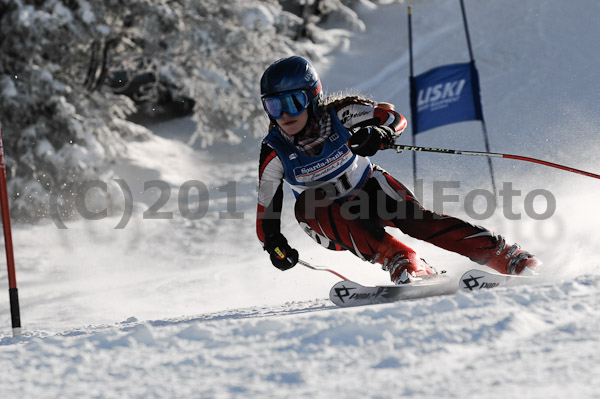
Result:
x=479 y=280
x=349 y=293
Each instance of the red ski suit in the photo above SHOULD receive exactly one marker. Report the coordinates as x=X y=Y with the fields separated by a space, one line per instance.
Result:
x=356 y=223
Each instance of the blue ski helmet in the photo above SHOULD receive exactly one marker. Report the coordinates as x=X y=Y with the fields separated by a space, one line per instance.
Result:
x=289 y=74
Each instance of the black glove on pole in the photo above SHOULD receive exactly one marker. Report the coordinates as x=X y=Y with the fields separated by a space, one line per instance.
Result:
x=366 y=141
x=283 y=256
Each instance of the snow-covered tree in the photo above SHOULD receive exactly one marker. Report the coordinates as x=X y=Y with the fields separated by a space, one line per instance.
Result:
x=62 y=118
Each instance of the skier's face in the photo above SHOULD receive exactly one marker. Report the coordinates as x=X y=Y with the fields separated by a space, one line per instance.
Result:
x=293 y=124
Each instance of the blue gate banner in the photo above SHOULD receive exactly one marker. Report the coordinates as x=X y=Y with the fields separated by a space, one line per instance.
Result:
x=444 y=95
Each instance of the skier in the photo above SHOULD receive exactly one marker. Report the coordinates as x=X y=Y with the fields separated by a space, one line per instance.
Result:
x=343 y=201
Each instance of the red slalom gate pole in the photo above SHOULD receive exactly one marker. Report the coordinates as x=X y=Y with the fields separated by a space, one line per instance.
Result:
x=400 y=148
x=8 y=244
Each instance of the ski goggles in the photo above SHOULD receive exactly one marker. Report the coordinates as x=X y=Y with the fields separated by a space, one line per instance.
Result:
x=293 y=103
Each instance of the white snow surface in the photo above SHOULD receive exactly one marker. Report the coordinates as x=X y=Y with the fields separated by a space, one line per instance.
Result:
x=190 y=307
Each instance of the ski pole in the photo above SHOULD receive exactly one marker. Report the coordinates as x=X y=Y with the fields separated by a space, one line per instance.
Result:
x=321 y=268
x=400 y=148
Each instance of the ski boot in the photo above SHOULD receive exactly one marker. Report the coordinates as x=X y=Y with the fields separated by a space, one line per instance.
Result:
x=512 y=260
x=401 y=262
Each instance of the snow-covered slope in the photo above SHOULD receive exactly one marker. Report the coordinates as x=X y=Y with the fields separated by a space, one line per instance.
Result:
x=185 y=307
x=531 y=342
